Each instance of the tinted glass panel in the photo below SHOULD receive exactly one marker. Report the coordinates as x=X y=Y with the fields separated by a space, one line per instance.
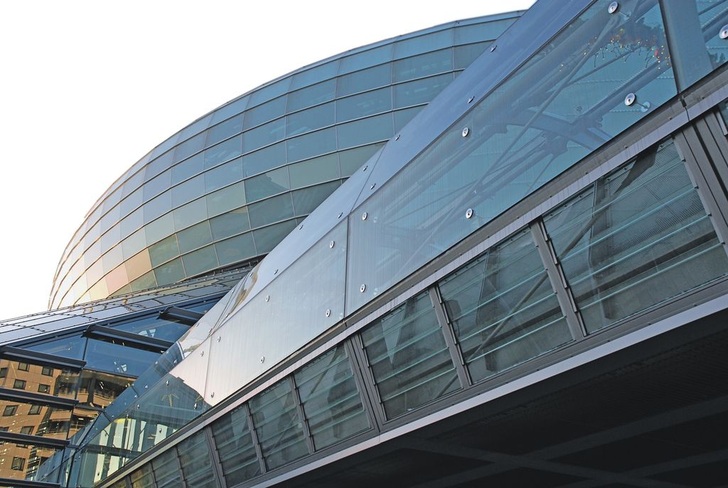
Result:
x=278 y=425
x=503 y=308
x=194 y=457
x=408 y=357
x=636 y=238
x=235 y=446
x=330 y=399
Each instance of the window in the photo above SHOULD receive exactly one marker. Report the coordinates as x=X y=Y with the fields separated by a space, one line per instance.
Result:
x=3 y=372
x=23 y=366
x=18 y=463
x=10 y=410
x=44 y=388
x=19 y=384
x=34 y=410
x=27 y=430
x=47 y=371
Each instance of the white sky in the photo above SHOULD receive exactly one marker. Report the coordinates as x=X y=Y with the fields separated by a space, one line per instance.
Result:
x=89 y=87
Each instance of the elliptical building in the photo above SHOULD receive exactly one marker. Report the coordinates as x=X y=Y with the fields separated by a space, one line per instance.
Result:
x=493 y=251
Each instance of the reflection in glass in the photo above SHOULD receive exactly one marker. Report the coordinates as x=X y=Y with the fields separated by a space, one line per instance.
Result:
x=637 y=237
x=330 y=399
x=408 y=357
x=194 y=457
x=564 y=103
x=278 y=425
x=235 y=446
x=503 y=308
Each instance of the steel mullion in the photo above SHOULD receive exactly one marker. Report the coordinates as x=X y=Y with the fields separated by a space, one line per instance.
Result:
x=302 y=415
x=370 y=391
x=254 y=438
x=216 y=464
x=450 y=340
x=558 y=280
x=357 y=372
x=692 y=152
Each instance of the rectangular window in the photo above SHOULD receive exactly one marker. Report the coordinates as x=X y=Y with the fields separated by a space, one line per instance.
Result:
x=23 y=366
x=44 y=388
x=47 y=371
x=34 y=410
x=27 y=430
x=10 y=410
x=3 y=372
x=19 y=384
x=18 y=463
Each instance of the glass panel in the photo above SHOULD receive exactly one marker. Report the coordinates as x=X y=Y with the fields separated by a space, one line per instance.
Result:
x=192 y=213
x=637 y=237
x=193 y=237
x=223 y=175
x=236 y=249
x=224 y=130
x=330 y=398
x=99 y=390
x=364 y=104
x=420 y=91
x=200 y=261
x=194 y=457
x=264 y=159
x=23 y=461
x=267 y=184
x=188 y=190
x=235 y=447
x=230 y=223
x=423 y=65
x=225 y=199
x=564 y=103
x=187 y=168
x=311 y=119
x=312 y=95
x=312 y=144
x=164 y=250
x=223 y=151
x=408 y=357
x=314 y=171
x=294 y=314
x=115 y=358
x=167 y=470
x=307 y=199
x=364 y=131
x=271 y=210
x=264 y=135
x=353 y=159
x=189 y=147
x=265 y=112
x=465 y=55
x=278 y=425
x=364 y=80
x=269 y=237
x=503 y=308
x=143 y=477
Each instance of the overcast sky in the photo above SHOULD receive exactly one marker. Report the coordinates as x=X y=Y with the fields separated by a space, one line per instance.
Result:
x=89 y=87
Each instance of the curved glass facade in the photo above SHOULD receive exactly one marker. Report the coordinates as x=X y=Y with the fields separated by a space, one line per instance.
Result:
x=619 y=239
x=227 y=188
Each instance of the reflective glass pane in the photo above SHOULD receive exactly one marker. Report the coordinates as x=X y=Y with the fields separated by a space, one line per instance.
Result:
x=364 y=80
x=194 y=237
x=353 y=159
x=224 y=130
x=420 y=91
x=637 y=237
x=235 y=446
x=311 y=119
x=314 y=171
x=267 y=238
x=194 y=457
x=264 y=159
x=143 y=477
x=265 y=112
x=267 y=184
x=200 y=261
x=565 y=102
x=330 y=399
x=312 y=95
x=167 y=470
x=307 y=199
x=116 y=358
x=164 y=250
x=278 y=425
x=312 y=144
x=271 y=210
x=224 y=151
x=423 y=65
x=187 y=168
x=188 y=190
x=225 y=199
x=377 y=128
x=364 y=104
x=503 y=308
x=408 y=357
x=236 y=249
x=229 y=224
